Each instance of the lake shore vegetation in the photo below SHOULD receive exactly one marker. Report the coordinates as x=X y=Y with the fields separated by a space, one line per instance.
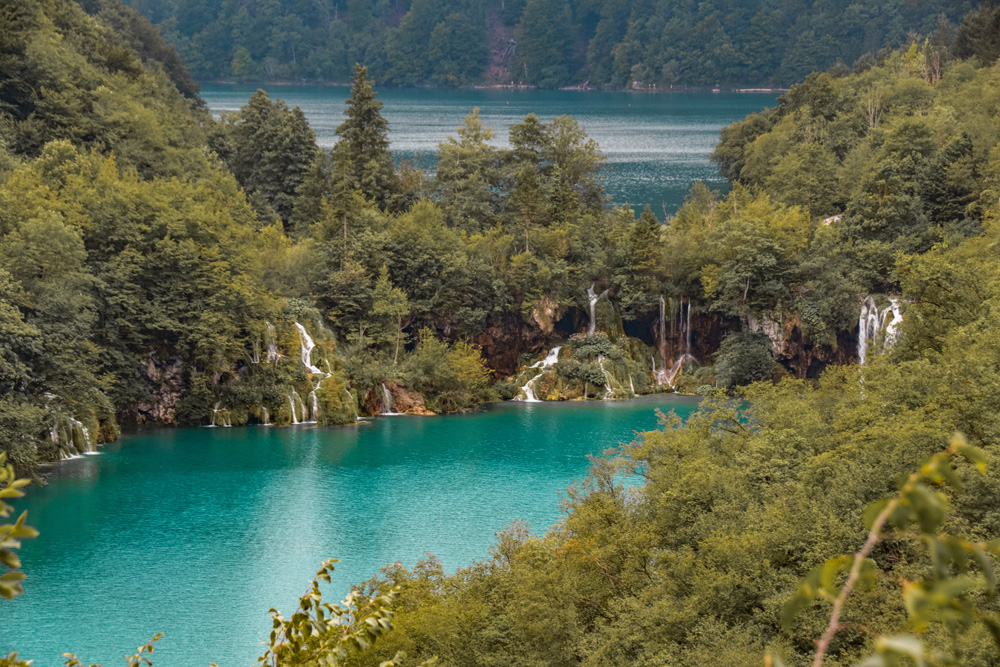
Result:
x=836 y=309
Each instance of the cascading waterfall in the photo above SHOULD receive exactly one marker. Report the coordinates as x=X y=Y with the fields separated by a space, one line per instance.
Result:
x=79 y=428
x=592 y=297
x=387 y=404
x=221 y=415
x=529 y=387
x=680 y=323
x=663 y=326
x=313 y=405
x=267 y=416
x=687 y=332
x=609 y=390
x=307 y=344
x=873 y=330
x=292 y=395
x=630 y=384
x=271 y=343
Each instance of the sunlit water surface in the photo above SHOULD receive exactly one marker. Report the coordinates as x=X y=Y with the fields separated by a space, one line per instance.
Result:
x=197 y=532
x=657 y=145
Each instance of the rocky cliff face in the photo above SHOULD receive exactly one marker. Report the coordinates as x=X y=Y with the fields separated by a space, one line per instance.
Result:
x=167 y=387
x=505 y=339
x=800 y=356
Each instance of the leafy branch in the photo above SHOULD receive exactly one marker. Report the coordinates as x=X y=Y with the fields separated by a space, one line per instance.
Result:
x=11 y=534
x=921 y=502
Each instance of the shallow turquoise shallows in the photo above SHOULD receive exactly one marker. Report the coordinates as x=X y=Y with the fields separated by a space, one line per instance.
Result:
x=657 y=145
x=197 y=532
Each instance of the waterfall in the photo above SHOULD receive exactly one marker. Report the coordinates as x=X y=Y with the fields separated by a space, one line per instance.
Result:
x=222 y=414
x=630 y=385
x=387 y=403
x=592 y=297
x=529 y=387
x=609 y=391
x=78 y=427
x=307 y=344
x=687 y=329
x=873 y=330
x=267 y=415
x=663 y=325
x=529 y=390
x=271 y=344
x=892 y=329
x=313 y=405
x=292 y=395
x=550 y=359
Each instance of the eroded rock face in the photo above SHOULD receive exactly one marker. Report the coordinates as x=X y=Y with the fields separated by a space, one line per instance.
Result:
x=799 y=355
x=407 y=401
x=505 y=339
x=404 y=401
x=166 y=382
x=545 y=314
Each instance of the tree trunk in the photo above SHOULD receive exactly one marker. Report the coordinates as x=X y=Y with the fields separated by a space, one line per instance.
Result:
x=399 y=329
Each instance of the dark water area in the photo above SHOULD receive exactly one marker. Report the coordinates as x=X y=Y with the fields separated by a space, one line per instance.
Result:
x=196 y=532
x=657 y=145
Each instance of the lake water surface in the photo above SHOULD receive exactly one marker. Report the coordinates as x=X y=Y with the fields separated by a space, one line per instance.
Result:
x=657 y=145
x=197 y=532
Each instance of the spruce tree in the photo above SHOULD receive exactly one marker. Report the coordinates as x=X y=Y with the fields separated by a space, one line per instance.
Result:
x=364 y=140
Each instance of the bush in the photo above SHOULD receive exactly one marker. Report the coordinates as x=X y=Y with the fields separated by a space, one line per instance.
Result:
x=743 y=358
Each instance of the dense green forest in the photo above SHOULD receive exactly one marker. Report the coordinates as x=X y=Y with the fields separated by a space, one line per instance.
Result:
x=549 y=43
x=159 y=266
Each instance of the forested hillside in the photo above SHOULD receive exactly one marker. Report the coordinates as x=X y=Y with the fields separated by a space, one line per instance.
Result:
x=157 y=265
x=549 y=43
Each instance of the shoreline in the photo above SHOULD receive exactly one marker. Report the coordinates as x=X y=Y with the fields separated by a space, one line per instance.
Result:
x=680 y=90
x=134 y=430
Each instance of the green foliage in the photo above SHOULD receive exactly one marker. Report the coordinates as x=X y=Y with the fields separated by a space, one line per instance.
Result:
x=324 y=633
x=364 y=143
x=743 y=358
x=11 y=534
x=947 y=596
x=608 y=42
x=452 y=377
x=270 y=149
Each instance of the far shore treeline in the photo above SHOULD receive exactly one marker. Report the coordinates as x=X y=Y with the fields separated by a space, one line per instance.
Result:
x=646 y=44
x=837 y=309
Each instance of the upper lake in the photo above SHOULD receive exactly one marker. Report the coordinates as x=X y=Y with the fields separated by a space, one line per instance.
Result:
x=196 y=532
x=657 y=145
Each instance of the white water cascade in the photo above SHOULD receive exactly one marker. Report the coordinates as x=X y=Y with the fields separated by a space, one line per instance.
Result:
x=271 y=343
x=687 y=333
x=609 y=390
x=307 y=347
x=668 y=376
x=88 y=448
x=313 y=405
x=663 y=326
x=220 y=415
x=874 y=331
x=293 y=399
x=529 y=387
x=387 y=403
x=593 y=297
x=266 y=417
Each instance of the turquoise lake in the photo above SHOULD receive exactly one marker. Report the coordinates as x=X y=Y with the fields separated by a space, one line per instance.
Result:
x=196 y=532
x=657 y=145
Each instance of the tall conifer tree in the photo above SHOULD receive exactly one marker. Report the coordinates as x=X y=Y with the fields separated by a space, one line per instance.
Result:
x=364 y=140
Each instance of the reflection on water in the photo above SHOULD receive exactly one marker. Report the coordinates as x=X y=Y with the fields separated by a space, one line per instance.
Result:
x=197 y=532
